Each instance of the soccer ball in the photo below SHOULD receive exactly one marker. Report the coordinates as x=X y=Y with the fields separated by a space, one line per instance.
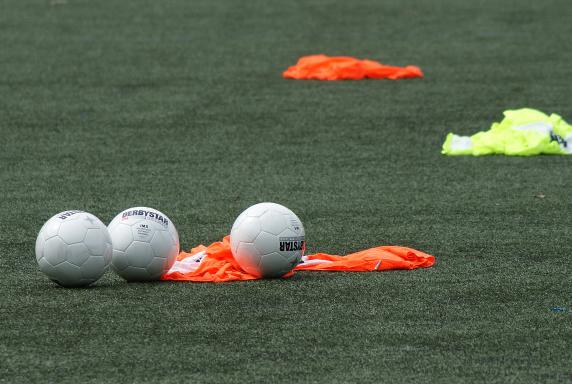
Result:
x=73 y=248
x=267 y=240
x=145 y=244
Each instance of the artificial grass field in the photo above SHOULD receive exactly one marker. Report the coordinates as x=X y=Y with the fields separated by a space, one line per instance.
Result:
x=180 y=105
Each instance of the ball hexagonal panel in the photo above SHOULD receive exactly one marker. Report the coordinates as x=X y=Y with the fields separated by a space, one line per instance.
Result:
x=157 y=267
x=273 y=222
x=288 y=232
x=239 y=219
x=47 y=268
x=248 y=258
x=162 y=243
x=139 y=254
x=68 y=275
x=51 y=228
x=266 y=243
x=72 y=231
x=77 y=254
x=121 y=236
x=132 y=273
x=97 y=240
x=119 y=261
x=256 y=210
x=247 y=231
x=55 y=250
x=94 y=268
x=274 y=265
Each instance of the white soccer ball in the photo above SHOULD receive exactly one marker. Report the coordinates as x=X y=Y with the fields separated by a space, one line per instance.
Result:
x=73 y=248
x=267 y=240
x=145 y=244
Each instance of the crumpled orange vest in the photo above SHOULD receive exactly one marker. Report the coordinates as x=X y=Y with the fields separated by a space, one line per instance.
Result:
x=216 y=263
x=322 y=67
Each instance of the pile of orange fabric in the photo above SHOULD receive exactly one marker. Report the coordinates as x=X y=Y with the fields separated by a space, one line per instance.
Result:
x=322 y=67
x=216 y=263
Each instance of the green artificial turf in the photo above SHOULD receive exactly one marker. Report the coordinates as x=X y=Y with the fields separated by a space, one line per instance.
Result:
x=180 y=105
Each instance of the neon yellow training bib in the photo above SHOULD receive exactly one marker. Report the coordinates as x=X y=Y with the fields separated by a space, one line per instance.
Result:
x=522 y=132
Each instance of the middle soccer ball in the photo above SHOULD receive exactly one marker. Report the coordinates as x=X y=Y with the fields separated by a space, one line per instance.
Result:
x=145 y=244
x=267 y=240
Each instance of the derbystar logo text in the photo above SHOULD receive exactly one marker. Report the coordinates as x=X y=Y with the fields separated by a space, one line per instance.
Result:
x=147 y=215
x=67 y=214
x=292 y=244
